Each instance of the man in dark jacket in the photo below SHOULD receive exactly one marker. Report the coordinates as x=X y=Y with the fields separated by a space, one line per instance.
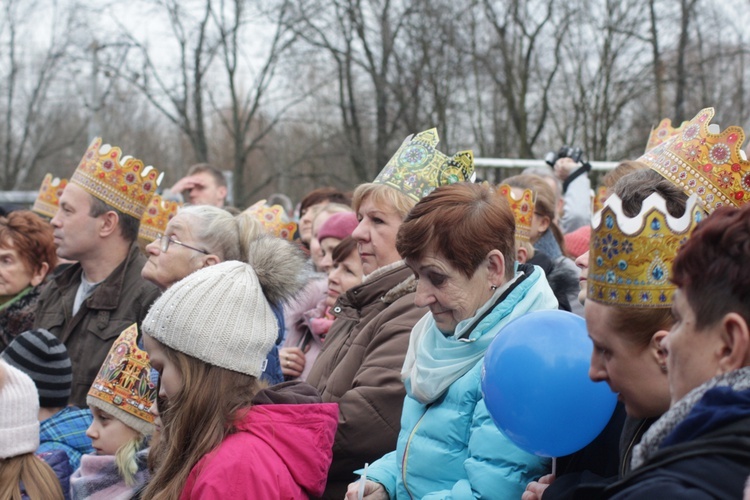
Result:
x=89 y=304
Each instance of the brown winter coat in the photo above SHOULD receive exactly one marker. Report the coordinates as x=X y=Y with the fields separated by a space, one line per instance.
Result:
x=122 y=299
x=360 y=369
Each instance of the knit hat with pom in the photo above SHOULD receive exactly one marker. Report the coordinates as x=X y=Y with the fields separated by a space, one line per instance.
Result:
x=219 y=315
x=19 y=412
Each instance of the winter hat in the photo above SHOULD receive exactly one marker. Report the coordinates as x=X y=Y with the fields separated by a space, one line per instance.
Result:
x=123 y=386
x=19 y=413
x=339 y=226
x=41 y=356
x=219 y=315
x=577 y=242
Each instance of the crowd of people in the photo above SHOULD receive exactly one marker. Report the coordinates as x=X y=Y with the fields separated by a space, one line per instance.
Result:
x=159 y=343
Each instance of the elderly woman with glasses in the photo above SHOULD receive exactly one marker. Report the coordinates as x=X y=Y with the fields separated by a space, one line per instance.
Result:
x=201 y=235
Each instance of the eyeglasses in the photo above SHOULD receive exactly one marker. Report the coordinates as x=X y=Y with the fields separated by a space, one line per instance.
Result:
x=166 y=240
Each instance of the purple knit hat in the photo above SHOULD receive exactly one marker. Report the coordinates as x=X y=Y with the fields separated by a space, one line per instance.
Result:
x=339 y=225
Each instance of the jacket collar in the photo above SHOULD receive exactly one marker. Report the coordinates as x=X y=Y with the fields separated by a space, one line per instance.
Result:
x=381 y=284
x=107 y=294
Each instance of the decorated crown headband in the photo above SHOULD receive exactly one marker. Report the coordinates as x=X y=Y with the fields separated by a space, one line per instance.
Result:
x=123 y=386
x=418 y=167
x=48 y=200
x=120 y=181
x=631 y=258
x=273 y=219
x=663 y=132
x=703 y=162
x=156 y=217
x=523 y=210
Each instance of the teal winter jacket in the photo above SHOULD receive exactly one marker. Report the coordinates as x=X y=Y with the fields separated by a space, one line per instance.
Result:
x=450 y=448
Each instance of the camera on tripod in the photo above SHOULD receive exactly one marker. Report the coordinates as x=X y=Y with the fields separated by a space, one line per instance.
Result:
x=574 y=153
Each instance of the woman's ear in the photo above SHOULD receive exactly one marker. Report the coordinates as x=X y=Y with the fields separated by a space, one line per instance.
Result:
x=656 y=346
x=735 y=343
x=496 y=268
x=211 y=260
x=38 y=276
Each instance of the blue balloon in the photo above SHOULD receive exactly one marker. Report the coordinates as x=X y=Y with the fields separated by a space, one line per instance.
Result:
x=536 y=385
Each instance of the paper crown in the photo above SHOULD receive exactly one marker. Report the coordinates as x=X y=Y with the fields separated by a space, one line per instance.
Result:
x=123 y=386
x=48 y=200
x=120 y=181
x=156 y=217
x=274 y=220
x=418 y=167
x=663 y=132
x=631 y=258
x=523 y=210
x=708 y=164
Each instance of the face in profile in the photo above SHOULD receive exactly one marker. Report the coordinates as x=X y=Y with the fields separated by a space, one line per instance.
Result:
x=343 y=276
x=76 y=233
x=632 y=371
x=376 y=235
x=107 y=433
x=170 y=377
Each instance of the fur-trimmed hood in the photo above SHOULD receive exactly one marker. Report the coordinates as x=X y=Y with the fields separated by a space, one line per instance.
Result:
x=281 y=267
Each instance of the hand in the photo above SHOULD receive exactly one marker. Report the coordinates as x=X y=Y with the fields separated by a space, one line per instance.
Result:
x=535 y=489
x=373 y=491
x=292 y=361
x=563 y=168
x=186 y=184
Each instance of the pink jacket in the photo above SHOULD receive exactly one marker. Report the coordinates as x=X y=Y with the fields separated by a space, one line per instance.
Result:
x=280 y=451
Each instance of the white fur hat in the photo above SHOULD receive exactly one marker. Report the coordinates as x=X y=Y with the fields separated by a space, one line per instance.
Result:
x=19 y=413
x=219 y=315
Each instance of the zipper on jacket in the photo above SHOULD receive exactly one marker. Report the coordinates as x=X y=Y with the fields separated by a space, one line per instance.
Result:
x=406 y=452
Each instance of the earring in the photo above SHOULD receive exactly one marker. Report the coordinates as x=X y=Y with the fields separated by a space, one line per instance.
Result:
x=493 y=287
x=663 y=368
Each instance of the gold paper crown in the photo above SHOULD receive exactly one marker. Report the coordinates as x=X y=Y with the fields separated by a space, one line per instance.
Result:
x=120 y=181
x=663 y=132
x=708 y=164
x=418 y=167
x=156 y=217
x=523 y=210
x=631 y=259
x=274 y=220
x=123 y=386
x=48 y=200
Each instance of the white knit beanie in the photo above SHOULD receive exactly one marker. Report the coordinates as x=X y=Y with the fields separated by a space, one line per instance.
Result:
x=19 y=413
x=219 y=315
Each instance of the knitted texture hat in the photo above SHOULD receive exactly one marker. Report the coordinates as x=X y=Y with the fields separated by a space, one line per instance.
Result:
x=219 y=315
x=19 y=413
x=577 y=242
x=41 y=356
x=339 y=225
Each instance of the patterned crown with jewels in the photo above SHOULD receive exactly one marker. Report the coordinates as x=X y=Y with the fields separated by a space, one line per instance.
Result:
x=123 y=386
x=523 y=210
x=156 y=217
x=120 y=181
x=711 y=165
x=48 y=200
x=418 y=167
x=274 y=219
x=631 y=258
x=663 y=132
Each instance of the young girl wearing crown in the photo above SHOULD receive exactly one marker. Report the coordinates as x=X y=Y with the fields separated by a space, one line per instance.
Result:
x=120 y=399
